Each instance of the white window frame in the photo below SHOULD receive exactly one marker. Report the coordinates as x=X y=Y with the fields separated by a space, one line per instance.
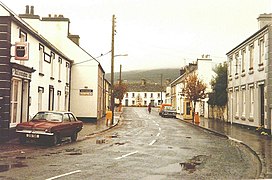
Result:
x=261 y=51
x=40 y=98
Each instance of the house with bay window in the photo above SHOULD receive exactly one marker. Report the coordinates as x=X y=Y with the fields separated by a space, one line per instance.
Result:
x=249 y=78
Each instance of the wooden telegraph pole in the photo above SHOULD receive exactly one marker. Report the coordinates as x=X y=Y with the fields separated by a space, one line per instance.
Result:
x=112 y=67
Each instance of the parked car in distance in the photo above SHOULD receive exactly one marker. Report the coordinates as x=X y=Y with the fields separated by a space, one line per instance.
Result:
x=51 y=126
x=162 y=107
x=169 y=111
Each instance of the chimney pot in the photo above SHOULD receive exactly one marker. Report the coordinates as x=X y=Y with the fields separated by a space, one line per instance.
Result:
x=27 y=9
x=32 y=10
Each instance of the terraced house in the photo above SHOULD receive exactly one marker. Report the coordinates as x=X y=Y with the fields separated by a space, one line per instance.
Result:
x=43 y=68
x=249 y=78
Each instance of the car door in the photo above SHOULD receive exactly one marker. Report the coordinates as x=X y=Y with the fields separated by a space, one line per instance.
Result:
x=74 y=123
x=67 y=126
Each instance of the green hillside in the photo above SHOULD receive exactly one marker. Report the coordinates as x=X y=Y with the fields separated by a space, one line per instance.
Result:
x=151 y=76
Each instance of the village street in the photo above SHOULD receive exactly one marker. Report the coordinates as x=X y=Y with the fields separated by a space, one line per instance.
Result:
x=141 y=146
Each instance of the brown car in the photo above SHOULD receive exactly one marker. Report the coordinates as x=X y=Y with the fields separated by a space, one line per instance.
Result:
x=50 y=125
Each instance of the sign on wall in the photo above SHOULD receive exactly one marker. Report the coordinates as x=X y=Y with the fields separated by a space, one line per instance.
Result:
x=85 y=92
x=21 y=50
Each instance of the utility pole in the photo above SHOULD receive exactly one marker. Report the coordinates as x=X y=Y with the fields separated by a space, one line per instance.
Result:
x=120 y=76
x=161 y=88
x=112 y=66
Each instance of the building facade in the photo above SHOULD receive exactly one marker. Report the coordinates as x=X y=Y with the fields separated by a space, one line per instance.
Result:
x=87 y=75
x=44 y=68
x=141 y=94
x=249 y=78
x=26 y=81
x=203 y=69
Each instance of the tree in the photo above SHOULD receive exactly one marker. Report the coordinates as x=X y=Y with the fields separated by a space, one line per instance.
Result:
x=194 y=90
x=219 y=96
x=119 y=91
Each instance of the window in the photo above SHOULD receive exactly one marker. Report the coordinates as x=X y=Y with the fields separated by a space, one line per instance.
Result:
x=243 y=101
x=159 y=95
x=23 y=38
x=237 y=102
x=151 y=95
x=261 y=53
x=41 y=48
x=52 y=64
x=133 y=95
x=251 y=100
x=67 y=72
x=72 y=118
x=236 y=63
x=243 y=59
x=58 y=100
x=60 y=62
x=145 y=95
x=133 y=102
x=126 y=95
x=66 y=99
x=66 y=118
x=230 y=67
x=51 y=98
x=251 y=56
x=40 y=98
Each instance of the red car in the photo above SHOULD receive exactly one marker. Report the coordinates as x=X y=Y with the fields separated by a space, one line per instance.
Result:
x=50 y=125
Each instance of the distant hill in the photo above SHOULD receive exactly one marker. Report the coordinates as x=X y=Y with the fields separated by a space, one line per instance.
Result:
x=151 y=76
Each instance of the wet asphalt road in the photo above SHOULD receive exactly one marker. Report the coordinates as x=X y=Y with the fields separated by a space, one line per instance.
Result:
x=142 y=146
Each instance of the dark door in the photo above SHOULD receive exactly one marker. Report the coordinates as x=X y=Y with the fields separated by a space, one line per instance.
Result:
x=262 y=104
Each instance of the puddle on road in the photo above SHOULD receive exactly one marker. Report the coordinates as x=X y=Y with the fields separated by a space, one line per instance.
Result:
x=7 y=167
x=73 y=151
x=191 y=164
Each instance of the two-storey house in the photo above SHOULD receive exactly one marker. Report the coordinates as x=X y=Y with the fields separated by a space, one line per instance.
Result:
x=143 y=93
x=26 y=84
x=249 y=78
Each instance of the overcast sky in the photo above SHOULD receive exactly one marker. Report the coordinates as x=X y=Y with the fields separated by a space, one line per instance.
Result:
x=155 y=33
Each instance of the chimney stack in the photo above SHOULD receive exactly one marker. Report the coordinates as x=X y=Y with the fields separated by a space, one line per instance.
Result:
x=264 y=19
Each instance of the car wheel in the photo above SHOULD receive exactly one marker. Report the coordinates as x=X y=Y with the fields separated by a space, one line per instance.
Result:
x=55 y=140
x=74 y=137
x=22 y=139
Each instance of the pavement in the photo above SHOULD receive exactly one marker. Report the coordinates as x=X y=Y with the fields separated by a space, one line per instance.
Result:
x=89 y=129
x=259 y=143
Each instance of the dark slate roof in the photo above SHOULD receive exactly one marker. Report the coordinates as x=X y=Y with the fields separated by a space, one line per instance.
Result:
x=147 y=87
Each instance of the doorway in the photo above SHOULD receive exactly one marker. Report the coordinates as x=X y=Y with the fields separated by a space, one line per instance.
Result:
x=261 y=87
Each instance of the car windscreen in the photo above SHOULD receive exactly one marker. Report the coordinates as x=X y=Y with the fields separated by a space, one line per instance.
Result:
x=48 y=116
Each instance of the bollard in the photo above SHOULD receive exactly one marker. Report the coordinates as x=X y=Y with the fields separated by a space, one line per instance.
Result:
x=197 y=118
x=108 y=118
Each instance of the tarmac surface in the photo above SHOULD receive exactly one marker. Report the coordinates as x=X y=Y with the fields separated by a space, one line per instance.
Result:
x=260 y=145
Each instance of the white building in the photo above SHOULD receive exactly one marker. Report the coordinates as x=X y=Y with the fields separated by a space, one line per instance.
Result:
x=249 y=78
x=26 y=81
x=87 y=80
x=42 y=67
x=141 y=94
x=203 y=69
